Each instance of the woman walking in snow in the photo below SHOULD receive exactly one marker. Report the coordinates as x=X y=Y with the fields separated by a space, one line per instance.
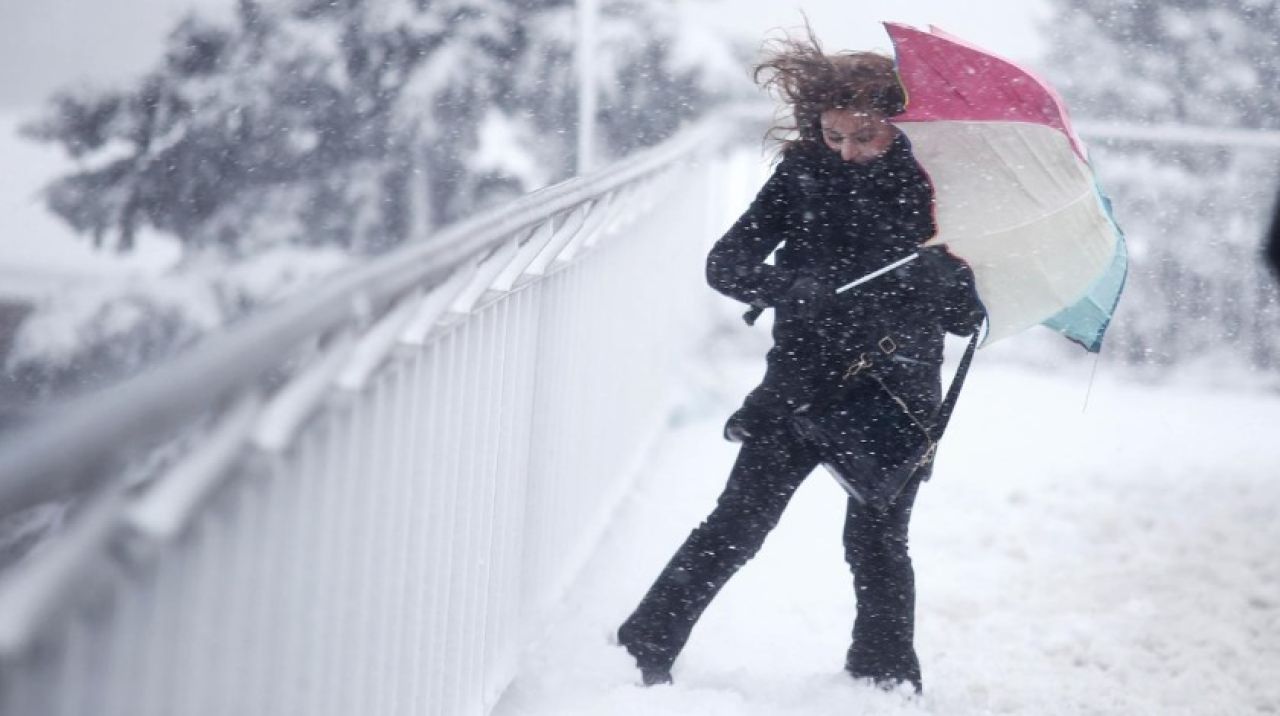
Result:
x=846 y=199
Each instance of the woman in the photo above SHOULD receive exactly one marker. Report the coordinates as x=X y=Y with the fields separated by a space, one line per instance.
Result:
x=846 y=199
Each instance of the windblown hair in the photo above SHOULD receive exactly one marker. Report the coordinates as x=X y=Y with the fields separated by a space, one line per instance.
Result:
x=810 y=82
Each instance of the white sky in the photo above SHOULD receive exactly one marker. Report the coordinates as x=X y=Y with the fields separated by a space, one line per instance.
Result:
x=46 y=44
x=1006 y=27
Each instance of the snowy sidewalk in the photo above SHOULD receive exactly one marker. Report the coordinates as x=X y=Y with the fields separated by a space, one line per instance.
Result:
x=1122 y=560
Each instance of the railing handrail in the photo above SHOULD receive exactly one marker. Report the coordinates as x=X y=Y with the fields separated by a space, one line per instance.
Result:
x=1180 y=134
x=49 y=458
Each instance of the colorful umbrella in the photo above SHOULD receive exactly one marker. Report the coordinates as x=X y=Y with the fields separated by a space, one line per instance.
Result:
x=1016 y=197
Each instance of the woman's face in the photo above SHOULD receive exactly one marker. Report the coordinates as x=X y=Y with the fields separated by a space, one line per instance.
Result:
x=856 y=135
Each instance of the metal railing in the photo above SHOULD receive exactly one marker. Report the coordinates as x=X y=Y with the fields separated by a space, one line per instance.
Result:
x=390 y=478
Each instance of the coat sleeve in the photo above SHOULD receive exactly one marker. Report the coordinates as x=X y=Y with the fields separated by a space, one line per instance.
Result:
x=959 y=309
x=736 y=267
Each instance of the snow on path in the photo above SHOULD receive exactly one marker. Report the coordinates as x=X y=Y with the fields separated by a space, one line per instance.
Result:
x=1120 y=560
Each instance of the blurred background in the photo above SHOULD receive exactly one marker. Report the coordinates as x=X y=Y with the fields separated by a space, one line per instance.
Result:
x=170 y=164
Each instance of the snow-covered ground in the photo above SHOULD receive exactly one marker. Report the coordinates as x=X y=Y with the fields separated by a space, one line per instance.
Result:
x=1119 y=557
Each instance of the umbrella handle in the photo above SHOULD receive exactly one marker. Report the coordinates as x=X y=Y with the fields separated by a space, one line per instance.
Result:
x=878 y=272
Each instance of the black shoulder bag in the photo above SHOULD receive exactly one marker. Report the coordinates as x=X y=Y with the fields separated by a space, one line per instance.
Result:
x=875 y=446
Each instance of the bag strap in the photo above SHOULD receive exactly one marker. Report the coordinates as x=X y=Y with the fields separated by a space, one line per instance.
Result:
x=938 y=424
x=943 y=416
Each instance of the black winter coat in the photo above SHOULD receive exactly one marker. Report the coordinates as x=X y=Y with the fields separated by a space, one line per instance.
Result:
x=835 y=221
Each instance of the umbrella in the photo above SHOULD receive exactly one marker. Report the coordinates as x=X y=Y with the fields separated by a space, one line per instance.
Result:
x=1015 y=195
x=1016 y=199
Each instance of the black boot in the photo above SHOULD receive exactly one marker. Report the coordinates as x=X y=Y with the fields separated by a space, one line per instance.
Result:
x=653 y=669
x=655 y=676
x=886 y=668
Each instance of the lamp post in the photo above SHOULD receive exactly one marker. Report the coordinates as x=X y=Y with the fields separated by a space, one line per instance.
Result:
x=584 y=55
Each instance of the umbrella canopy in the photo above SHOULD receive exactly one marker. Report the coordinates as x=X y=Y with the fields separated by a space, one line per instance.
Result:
x=1016 y=197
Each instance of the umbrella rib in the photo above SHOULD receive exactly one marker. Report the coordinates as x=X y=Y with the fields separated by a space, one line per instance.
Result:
x=1023 y=225
x=951 y=86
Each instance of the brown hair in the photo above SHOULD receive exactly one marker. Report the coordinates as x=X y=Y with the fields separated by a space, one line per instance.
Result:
x=810 y=82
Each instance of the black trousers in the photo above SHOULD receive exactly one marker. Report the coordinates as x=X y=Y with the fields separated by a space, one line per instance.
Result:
x=764 y=477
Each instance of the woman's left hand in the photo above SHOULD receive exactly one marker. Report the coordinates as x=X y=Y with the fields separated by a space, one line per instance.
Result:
x=807 y=297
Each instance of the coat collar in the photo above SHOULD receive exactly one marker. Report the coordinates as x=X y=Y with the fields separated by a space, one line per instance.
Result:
x=819 y=159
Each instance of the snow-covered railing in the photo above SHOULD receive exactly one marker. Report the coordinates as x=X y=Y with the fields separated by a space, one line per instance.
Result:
x=389 y=479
